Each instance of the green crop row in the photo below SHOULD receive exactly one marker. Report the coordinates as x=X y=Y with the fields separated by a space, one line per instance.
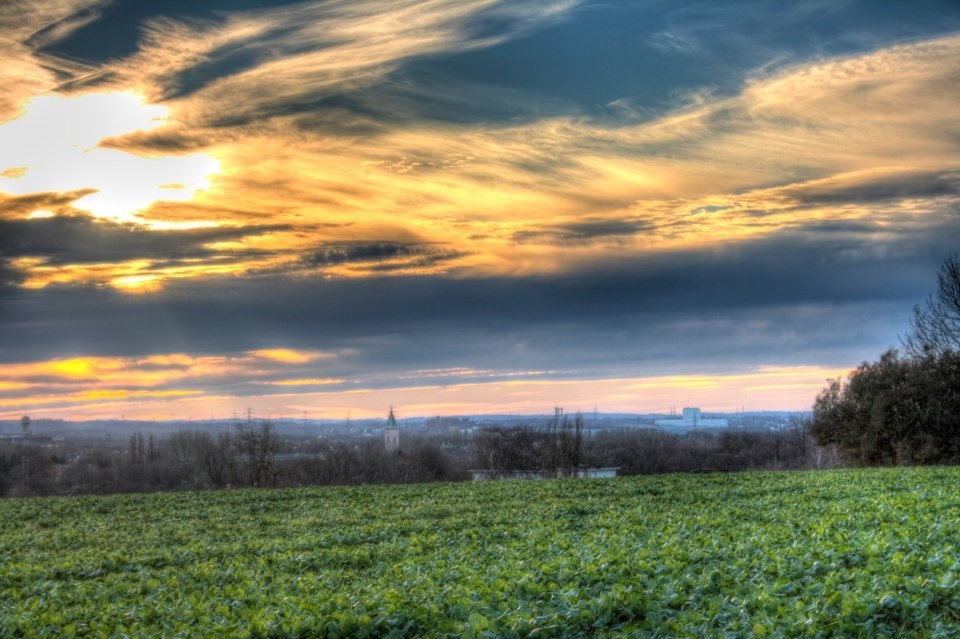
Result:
x=869 y=553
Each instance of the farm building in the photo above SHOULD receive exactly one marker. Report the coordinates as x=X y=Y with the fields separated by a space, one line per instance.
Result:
x=583 y=472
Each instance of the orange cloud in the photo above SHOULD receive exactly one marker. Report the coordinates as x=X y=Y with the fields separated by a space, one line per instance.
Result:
x=495 y=184
x=714 y=170
x=118 y=394
x=286 y=355
x=313 y=381
x=26 y=26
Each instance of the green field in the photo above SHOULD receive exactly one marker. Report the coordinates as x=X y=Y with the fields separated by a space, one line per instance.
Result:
x=846 y=553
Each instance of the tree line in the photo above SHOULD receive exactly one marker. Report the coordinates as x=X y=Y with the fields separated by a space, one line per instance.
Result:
x=905 y=407
x=644 y=451
x=255 y=455
x=251 y=455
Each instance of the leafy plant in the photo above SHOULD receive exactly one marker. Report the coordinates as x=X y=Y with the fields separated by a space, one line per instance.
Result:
x=866 y=553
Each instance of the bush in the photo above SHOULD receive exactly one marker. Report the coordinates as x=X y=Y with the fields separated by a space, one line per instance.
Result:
x=894 y=411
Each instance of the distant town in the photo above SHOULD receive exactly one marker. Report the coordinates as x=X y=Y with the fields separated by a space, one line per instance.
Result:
x=679 y=422
x=51 y=457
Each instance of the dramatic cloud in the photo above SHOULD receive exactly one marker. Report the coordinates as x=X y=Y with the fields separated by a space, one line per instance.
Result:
x=826 y=292
x=78 y=239
x=78 y=249
x=282 y=60
x=26 y=25
x=53 y=147
x=463 y=194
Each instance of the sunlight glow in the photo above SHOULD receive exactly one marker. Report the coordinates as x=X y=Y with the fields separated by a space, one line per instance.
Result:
x=79 y=368
x=288 y=382
x=285 y=355
x=314 y=381
x=131 y=276
x=138 y=283
x=54 y=147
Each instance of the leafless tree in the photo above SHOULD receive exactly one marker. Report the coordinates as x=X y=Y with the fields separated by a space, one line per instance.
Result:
x=571 y=445
x=257 y=447
x=800 y=440
x=504 y=450
x=935 y=328
x=136 y=454
x=563 y=446
x=217 y=460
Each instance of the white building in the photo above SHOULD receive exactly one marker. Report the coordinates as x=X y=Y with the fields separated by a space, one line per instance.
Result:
x=692 y=418
x=583 y=472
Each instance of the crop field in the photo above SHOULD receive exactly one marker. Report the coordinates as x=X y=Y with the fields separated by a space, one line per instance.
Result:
x=827 y=554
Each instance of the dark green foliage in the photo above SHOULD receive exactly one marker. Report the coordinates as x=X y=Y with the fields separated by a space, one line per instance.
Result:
x=894 y=411
x=863 y=553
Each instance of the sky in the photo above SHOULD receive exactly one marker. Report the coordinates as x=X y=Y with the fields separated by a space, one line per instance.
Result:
x=327 y=208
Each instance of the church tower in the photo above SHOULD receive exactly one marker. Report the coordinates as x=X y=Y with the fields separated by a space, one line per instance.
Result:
x=391 y=434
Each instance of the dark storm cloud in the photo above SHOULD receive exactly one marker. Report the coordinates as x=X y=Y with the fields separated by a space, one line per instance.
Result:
x=583 y=230
x=425 y=261
x=879 y=188
x=10 y=279
x=335 y=254
x=824 y=294
x=79 y=239
x=18 y=207
x=338 y=254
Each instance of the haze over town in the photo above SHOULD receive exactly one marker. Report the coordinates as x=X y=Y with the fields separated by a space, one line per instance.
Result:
x=320 y=209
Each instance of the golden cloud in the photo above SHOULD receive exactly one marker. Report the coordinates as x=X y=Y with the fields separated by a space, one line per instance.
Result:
x=311 y=49
x=313 y=381
x=502 y=199
x=287 y=356
x=25 y=26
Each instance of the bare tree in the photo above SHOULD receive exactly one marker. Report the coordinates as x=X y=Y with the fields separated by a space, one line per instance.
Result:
x=563 y=446
x=571 y=445
x=550 y=457
x=504 y=450
x=935 y=328
x=800 y=440
x=136 y=449
x=217 y=459
x=257 y=447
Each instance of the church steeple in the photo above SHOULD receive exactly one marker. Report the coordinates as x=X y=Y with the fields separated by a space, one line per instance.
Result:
x=391 y=433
